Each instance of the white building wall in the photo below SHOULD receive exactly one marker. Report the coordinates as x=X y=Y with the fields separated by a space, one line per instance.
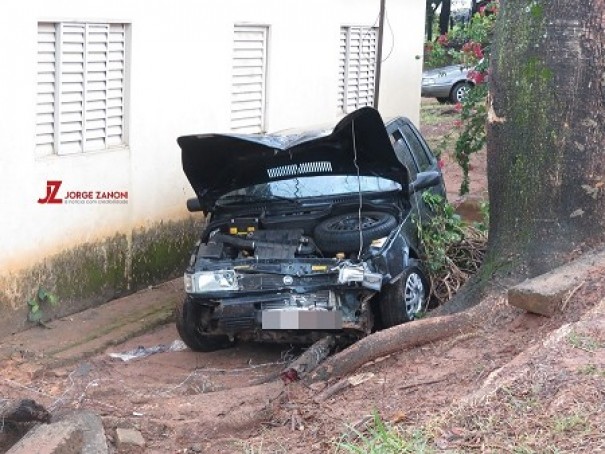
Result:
x=179 y=83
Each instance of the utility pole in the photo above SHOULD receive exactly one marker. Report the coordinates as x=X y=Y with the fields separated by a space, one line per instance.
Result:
x=379 y=53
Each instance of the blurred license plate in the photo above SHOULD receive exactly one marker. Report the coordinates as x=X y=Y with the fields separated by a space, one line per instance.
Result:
x=301 y=319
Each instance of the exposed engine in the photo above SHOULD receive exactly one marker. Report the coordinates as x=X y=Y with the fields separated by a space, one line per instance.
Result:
x=261 y=244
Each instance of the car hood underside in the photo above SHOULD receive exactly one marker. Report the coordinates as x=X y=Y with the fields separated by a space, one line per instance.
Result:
x=216 y=164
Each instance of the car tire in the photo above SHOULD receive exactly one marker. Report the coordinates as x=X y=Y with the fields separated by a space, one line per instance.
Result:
x=341 y=233
x=403 y=300
x=188 y=315
x=459 y=91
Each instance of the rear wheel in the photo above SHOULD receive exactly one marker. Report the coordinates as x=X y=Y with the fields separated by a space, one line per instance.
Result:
x=188 y=324
x=403 y=300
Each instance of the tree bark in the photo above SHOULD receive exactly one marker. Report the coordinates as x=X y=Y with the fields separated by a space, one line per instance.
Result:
x=22 y=410
x=430 y=18
x=444 y=16
x=390 y=341
x=546 y=135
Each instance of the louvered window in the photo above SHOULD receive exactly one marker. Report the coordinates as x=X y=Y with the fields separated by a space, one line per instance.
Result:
x=248 y=79
x=81 y=84
x=357 y=68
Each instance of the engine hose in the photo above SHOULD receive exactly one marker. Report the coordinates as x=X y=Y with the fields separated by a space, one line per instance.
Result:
x=242 y=243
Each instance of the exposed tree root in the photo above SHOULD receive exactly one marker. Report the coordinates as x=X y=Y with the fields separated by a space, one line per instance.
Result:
x=309 y=360
x=390 y=341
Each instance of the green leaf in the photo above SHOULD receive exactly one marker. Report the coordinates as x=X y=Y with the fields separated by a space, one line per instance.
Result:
x=42 y=294
x=34 y=309
x=32 y=302
x=52 y=299
x=34 y=317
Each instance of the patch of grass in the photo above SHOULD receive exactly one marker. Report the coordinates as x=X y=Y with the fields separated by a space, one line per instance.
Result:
x=582 y=342
x=382 y=439
x=568 y=423
x=591 y=369
x=523 y=450
x=432 y=114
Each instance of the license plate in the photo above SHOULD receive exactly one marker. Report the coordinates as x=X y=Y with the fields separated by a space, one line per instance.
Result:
x=301 y=319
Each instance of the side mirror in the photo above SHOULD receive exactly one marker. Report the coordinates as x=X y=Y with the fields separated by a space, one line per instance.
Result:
x=193 y=205
x=424 y=180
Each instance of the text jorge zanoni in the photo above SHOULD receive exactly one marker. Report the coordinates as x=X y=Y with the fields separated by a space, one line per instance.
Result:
x=96 y=197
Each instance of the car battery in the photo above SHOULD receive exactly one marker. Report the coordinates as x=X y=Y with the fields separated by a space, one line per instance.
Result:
x=242 y=226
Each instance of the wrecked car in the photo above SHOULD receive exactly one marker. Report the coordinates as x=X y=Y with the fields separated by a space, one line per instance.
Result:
x=307 y=232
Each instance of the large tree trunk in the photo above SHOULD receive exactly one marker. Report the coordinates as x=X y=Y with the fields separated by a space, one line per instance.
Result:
x=546 y=130
x=444 y=16
x=430 y=17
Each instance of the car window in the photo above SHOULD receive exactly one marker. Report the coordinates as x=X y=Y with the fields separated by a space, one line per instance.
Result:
x=314 y=186
x=420 y=153
x=403 y=152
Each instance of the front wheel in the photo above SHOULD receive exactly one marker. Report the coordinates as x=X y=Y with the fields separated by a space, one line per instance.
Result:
x=459 y=91
x=403 y=300
x=188 y=324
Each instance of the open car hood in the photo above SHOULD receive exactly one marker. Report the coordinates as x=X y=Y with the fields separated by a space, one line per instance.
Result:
x=216 y=164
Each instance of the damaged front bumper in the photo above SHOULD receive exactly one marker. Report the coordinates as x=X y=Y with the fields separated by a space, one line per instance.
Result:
x=250 y=301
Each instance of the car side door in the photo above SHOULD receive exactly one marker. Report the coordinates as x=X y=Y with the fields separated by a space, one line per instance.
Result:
x=422 y=154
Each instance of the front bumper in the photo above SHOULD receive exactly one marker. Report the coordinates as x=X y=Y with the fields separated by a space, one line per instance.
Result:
x=286 y=313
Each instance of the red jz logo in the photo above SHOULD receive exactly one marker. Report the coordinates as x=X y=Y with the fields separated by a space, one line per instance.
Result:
x=52 y=187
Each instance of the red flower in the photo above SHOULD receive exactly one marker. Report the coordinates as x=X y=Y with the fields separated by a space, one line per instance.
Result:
x=442 y=40
x=476 y=76
x=478 y=51
x=458 y=107
x=458 y=123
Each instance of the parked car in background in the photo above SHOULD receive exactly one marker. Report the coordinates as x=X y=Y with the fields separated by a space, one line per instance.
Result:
x=308 y=233
x=447 y=84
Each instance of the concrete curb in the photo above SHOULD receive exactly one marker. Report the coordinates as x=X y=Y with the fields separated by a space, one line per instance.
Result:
x=93 y=330
x=548 y=293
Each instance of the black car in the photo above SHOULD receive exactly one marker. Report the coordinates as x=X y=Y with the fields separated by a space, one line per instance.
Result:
x=306 y=233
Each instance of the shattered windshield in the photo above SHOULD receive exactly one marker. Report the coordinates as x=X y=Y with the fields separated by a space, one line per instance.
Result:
x=314 y=186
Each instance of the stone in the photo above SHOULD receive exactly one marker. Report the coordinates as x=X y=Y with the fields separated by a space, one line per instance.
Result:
x=91 y=425
x=63 y=437
x=128 y=437
x=548 y=293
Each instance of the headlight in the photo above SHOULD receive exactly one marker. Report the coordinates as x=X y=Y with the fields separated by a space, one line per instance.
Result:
x=211 y=281
x=188 y=281
x=428 y=81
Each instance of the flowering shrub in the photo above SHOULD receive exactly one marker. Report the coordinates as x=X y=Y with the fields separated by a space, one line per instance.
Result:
x=468 y=45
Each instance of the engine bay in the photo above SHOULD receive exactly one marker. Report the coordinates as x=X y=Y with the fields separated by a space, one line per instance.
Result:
x=286 y=235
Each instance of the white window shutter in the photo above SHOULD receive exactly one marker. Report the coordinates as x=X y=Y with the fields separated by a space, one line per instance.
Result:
x=45 y=96
x=87 y=106
x=357 y=68
x=71 y=88
x=248 y=79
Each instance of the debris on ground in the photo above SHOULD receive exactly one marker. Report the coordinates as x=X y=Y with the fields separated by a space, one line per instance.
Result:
x=141 y=352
